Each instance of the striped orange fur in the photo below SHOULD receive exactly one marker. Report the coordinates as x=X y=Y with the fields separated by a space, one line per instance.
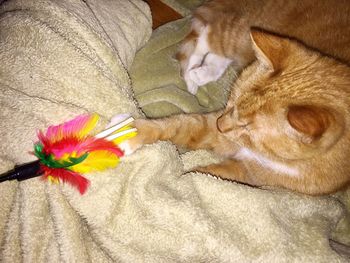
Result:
x=287 y=121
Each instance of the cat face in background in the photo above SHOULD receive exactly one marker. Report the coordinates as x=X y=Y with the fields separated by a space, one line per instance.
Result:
x=286 y=104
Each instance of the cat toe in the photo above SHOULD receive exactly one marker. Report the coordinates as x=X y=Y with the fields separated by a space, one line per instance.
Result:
x=200 y=76
x=192 y=87
x=127 y=148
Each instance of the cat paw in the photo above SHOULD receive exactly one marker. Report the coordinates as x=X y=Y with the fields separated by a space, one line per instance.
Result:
x=129 y=147
x=211 y=69
x=202 y=75
x=192 y=87
x=145 y=135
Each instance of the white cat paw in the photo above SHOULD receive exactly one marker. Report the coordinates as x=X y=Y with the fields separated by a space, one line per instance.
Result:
x=202 y=75
x=129 y=146
x=211 y=69
x=192 y=87
x=126 y=148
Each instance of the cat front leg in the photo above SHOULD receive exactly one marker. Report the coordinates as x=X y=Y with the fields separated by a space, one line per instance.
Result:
x=256 y=175
x=192 y=131
x=229 y=169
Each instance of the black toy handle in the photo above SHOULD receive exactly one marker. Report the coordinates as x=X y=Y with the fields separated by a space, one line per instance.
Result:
x=22 y=172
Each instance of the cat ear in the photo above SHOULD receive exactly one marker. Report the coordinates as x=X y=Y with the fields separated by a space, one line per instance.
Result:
x=269 y=49
x=311 y=121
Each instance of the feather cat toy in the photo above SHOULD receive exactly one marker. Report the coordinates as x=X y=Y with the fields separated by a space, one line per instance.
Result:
x=67 y=151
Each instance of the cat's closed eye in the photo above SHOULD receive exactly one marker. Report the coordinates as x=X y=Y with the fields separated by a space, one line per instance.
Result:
x=245 y=125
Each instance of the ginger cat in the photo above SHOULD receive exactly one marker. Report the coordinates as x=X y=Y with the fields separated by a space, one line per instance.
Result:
x=287 y=120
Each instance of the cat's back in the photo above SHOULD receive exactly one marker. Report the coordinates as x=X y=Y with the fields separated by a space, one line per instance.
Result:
x=323 y=25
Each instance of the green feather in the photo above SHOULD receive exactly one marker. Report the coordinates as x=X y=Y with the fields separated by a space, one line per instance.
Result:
x=50 y=161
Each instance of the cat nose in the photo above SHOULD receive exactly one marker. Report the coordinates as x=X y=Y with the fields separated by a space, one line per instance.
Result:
x=224 y=123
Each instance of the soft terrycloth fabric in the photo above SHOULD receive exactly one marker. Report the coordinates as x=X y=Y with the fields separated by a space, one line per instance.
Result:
x=62 y=58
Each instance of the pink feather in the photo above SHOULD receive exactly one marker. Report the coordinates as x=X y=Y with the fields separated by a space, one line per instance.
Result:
x=68 y=128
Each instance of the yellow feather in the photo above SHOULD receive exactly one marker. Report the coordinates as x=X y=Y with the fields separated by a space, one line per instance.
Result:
x=53 y=180
x=88 y=126
x=126 y=136
x=96 y=161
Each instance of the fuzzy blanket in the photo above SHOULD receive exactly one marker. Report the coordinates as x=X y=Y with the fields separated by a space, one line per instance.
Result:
x=66 y=57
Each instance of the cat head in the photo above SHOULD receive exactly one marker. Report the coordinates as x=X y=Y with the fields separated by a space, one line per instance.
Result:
x=292 y=102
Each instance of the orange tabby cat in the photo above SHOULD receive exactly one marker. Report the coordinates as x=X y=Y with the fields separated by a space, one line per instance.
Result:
x=287 y=120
